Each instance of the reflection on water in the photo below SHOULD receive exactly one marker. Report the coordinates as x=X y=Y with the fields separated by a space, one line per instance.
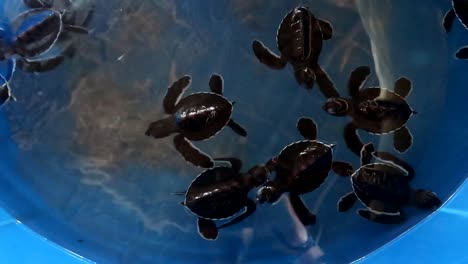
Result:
x=80 y=128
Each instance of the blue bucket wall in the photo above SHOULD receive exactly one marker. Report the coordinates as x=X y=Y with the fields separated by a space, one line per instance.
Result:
x=68 y=179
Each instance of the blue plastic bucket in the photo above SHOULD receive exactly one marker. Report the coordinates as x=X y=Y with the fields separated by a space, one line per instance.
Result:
x=79 y=174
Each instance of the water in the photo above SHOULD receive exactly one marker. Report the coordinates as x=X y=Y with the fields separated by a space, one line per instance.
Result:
x=77 y=168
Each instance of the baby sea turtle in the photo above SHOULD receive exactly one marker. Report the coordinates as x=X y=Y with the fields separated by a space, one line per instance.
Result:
x=33 y=33
x=384 y=188
x=460 y=10
x=196 y=117
x=375 y=110
x=300 y=167
x=220 y=193
x=299 y=40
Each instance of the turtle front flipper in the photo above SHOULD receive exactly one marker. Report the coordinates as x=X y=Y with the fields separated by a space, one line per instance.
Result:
x=251 y=207
x=402 y=139
x=346 y=202
x=352 y=140
x=267 y=57
x=425 y=200
x=207 y=229
x=327 y=29
x=462 y=53
x=216 y=84
x=302 y=212
x=403 y=87
x=448 y=20
x=344 y=169
x=357 y=79
x=327 y=87
x=236 y=127
x=386 y=156
x=174 y=92
x=381 y=218
x=461 y=9
x=191 y=153
x=41 y=65
x=307 y=127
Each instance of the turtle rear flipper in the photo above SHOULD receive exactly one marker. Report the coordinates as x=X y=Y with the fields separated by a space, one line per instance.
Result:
x=461 y=9
x=216 y=84
x=346 y=202
x=207 y=229
x=237 y=128
x=174 y=92
x=327 y=29
x=448 y=20
x=191 y=153
x=462 y=53
x=403 y=87
x=366 y=153
x=357 y=79
x=302 y=212
x=382 y=218
x=251 y=207
x=267 y=57
x=402 y=139
x=307 y=127
x=425 y=200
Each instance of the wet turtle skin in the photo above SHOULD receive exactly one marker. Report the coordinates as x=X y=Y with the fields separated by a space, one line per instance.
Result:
x=300 y=168
x=459 y=10
x=299 y=39
x=220 y=193
x=374 y=109
x=384 y=188
x=196 y=117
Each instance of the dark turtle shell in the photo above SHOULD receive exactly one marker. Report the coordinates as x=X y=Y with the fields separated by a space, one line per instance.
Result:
x=379 y=110
x=35 y=31
x=382 y=182
x=298 y=29
x=200 y=116
x=304 y=165
x=216 y=194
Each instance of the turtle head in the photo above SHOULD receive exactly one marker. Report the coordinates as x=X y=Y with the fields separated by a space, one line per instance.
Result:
x=305 y=76
x=268 y=193
x=161 y=128
x=336 y=106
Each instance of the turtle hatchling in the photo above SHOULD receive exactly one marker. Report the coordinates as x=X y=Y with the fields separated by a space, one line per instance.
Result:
x=300 y=168
x=384 y=188
x=459 y=10
x=375 y=110
x=196 y=117
x=299 y=39
x=220 y=193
